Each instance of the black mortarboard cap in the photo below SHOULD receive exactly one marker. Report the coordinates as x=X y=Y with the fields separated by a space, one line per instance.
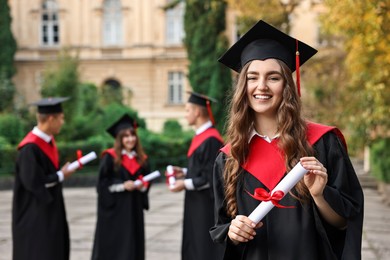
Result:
x=50 y=105
x=199 y=99
x=204 y=101
x=264 y=41
x=124 y=122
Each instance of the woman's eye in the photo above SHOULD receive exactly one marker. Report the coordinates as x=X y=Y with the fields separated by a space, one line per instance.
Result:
x=274 y=78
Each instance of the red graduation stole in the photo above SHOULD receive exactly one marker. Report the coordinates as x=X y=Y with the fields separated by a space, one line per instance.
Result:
x=200 y=138
x=265 y=160
x=50 y=150
x=131 y=165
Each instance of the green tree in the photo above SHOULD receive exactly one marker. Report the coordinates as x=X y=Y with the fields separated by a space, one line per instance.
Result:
x=366 y=44
x=7 y=91
x=7 y=53
x=61 y=78
x=204 y=25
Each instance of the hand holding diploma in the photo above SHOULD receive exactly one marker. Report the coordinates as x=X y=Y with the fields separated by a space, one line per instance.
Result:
x=140 y=184
x=147 y=178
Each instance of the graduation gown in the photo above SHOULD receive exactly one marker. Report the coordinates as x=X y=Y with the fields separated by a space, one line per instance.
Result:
x=119 y=230
x=39 y=226
x=299 y=232
x=199 y=203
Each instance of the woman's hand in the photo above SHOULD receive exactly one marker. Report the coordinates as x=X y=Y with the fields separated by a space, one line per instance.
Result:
x=179 y=173
x=317 y=177
x=178 y=186
x=242 y=229
x=316 y=180
x=129 y=185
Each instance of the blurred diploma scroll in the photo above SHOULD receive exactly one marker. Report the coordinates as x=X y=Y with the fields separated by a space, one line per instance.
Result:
x=82 y=161
x=171 y=176
x=147 y=178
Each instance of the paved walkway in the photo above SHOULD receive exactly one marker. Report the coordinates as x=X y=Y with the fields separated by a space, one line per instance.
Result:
x=164 y=221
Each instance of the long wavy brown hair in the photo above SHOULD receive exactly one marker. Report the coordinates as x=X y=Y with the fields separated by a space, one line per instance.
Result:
x=118 y=147
x=291 y=127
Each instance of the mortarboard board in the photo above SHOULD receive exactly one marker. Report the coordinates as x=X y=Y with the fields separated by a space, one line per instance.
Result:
x=50 y=105
x=199 y=99
x=264 y=41
x=124 y=122
x=202 y=100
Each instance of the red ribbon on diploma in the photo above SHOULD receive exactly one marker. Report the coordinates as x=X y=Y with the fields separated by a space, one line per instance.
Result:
x=144 y=183
x=167 y=175
x=79 y=155
x=275 y=197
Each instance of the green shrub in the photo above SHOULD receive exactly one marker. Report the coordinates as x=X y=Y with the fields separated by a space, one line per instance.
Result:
x=11 y=127
x=163 y=150
x=380 y=160
x=7 y=160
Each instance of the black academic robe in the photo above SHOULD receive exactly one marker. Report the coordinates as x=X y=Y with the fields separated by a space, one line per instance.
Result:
x=39 y=226
x=199 y=203
x=119 y=230
x=299 y=232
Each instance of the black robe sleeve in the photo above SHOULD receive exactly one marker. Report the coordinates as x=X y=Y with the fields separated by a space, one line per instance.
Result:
x=222 y=221
x=344 y=194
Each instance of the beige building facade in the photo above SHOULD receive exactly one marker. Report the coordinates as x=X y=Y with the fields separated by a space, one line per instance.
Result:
x=135 y=45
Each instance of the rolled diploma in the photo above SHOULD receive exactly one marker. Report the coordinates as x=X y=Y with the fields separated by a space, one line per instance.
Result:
x=288 y=182
x=171 y=178
x=83 y=160
x=148 y=177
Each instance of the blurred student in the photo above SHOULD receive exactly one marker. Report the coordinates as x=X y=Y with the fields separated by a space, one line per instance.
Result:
x=120 y=230
x=199 y=201
x=39 y=225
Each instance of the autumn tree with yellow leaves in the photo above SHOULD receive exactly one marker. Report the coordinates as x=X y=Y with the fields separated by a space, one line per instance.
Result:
x=363 y=31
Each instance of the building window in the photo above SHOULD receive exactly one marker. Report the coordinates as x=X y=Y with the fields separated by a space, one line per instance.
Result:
x=112 y=22
x=174 y=24
x=50 y=26
x=175 y=87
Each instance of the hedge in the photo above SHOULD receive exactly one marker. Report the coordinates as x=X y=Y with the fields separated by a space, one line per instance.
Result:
x=161 y=151
x=380 y=160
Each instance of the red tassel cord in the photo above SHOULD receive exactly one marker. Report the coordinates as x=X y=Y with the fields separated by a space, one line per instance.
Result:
x=297 y=63
x=210 y=112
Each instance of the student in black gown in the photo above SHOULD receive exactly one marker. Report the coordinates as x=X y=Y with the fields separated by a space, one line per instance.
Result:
x=120 y=230
x=267 y=137
x=39 y=225
x=199 y=202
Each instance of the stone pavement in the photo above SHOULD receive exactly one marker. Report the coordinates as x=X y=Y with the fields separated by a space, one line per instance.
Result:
x=164 y=221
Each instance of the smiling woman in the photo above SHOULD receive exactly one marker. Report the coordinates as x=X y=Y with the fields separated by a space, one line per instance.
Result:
x=267 y=136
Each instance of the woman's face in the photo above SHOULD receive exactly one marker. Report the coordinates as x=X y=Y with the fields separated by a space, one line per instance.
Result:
x=265 y=85
x=129 y=141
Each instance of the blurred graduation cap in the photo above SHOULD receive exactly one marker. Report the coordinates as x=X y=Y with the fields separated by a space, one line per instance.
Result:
x=264 y=41
x=202 y=100
x=50 y=105
x=124 y=122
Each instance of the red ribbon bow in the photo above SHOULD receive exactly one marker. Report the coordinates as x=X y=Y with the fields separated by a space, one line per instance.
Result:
x=144 y=183
x=79 y=155
x=262 y=195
